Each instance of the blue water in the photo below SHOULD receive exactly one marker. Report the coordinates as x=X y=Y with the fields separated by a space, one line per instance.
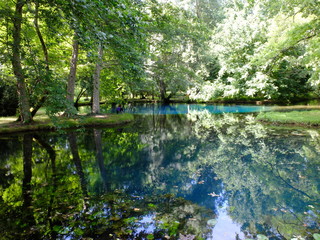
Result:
x=187 y=108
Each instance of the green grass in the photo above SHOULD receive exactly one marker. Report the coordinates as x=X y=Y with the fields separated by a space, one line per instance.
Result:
x=43 y=122
x=311 y=118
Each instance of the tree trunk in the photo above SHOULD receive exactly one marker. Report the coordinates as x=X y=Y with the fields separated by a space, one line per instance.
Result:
x=53 y=191
x=42 y=100
x=43 y=44
x=77 y=161
x=198 y=10
x=24 y=104
x=39 y=104
x=27 y=171
x=162 y=87
x=163 y=91
x=73 y=70
x=28 y=210
x=96 y=84
x=99 y=157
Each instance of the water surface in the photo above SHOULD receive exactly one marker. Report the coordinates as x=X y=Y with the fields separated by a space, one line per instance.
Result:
x=196 y=175
x=188 y=108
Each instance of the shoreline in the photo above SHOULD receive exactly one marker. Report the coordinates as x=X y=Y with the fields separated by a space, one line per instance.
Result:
x=44 y=123
x=298 y=115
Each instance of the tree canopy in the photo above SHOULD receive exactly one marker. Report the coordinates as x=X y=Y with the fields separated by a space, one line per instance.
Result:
x=56 y=51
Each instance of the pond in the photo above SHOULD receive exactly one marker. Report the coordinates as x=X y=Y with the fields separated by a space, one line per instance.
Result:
x=180 y=108
x=195 y=175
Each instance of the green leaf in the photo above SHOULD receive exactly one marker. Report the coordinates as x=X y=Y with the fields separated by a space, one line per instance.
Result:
x=150 y=236
x=57 y=228
x=79 y=231
x=212 y=222
x=316 y=236
x=262 y=237
x=130 y=220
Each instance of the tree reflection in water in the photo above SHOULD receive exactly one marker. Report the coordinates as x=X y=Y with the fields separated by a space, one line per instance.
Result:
x=165 y=177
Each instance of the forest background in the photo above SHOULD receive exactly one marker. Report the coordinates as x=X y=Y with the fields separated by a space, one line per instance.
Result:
x=54 y=52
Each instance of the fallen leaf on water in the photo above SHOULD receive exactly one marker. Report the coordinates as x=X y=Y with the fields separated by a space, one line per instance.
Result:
x=212 y=222
x=213 y=194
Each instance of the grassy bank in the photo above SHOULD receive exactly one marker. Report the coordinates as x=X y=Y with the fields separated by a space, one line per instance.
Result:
x=9 y=125
x=307 y=118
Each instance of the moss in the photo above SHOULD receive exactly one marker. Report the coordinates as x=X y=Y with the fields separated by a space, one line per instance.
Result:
x=9 y=125
x=309 y=118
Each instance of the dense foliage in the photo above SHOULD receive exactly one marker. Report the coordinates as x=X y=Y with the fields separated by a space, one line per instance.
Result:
x=58 y=51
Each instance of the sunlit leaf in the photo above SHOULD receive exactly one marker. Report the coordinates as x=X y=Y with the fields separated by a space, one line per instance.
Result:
x=316 y=236
x=150 y=236
x=212 y=222
x=262 y=237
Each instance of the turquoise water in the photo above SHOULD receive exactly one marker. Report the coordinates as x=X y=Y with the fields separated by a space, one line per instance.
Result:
x=196 y=175
x=187 y=108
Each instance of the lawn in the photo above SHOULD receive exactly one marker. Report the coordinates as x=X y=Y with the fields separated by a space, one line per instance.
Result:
x=43 y=122
x=307 y=117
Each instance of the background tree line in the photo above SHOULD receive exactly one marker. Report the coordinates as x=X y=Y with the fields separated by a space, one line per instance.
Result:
x=56 y=51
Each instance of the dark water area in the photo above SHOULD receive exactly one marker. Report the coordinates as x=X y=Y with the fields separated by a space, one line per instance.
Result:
x=196 y=175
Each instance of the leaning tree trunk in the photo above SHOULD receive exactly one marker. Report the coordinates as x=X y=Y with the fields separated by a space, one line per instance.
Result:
x=24 y=105
x=77 y=161
x=73 y=71
x=42 y=100
x=96 y=84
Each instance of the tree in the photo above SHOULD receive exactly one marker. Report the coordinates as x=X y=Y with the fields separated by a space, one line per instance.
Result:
x=209 y=12
x=120 y=43
x=261 y=49
x=177 y=58
x=293 y=37
x=73 y=71
x=30 y=54
x=96 y=83
x=39 y=67
x=24 y=104
x=234 y=44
